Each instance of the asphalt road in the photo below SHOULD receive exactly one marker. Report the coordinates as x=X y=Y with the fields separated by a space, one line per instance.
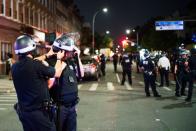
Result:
x=107 y=106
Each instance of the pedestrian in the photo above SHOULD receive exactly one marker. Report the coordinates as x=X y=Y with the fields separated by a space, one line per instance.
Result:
x=181 y=73
x=192 y=74
x=148 y=67
x=11 y=61
x=65 y=90
x=30 y=81
x=103 y=63
x=164 y=67
x=115 y=61
x=126 y=68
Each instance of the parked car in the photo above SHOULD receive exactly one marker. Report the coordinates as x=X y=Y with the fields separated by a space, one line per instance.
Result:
x=91 y=67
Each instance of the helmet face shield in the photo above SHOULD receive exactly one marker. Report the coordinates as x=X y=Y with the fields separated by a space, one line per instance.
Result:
x=24 y=44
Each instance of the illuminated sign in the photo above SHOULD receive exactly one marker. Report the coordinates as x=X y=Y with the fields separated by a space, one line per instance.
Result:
x=169 y=25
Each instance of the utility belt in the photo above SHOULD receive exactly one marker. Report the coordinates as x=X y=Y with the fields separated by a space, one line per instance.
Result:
x=148 y=72
x=45 y=106
x=69 y=104
x=164 y=68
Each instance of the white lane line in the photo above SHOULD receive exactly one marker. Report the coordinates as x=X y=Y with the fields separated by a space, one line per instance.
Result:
x=166 y=88
x=79 y=87
x=6 y=104
x=141 y=83
x=2 y=109
x=7 y=97
x=7 y=100
x=128 y=87
x=118 y=79
x=93 y=87
x=110 y=86
x=173 y=82
x=157 y=83
x=133 y=77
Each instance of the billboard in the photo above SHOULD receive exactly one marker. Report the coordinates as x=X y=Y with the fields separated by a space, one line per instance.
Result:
x=169 y=25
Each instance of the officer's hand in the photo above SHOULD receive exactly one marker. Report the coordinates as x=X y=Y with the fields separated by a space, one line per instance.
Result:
x=77 y=50
x=50 y=53
x=60 y=54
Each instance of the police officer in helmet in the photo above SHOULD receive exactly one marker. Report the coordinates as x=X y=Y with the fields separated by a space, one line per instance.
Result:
x=65 y=90
x=30 y=81
x=148 y=67
x=126 y=67
x=181 y=72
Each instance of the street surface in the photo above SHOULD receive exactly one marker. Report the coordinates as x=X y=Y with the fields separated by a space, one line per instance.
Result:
x=107 y=106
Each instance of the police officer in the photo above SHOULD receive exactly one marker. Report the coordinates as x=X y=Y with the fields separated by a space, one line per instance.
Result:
x=148 y=67
x=126 y=67
x=30 y=81
x=181 y=73
x=103 y=63
x=65 y=91
x=192 y=74
x=115 y=61
x=164 y=66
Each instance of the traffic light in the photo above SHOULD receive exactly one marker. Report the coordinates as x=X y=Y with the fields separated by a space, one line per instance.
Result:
x=124 y=43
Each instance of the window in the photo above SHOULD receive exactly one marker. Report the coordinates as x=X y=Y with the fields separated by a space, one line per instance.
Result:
x=2 y=7
x=6 y=47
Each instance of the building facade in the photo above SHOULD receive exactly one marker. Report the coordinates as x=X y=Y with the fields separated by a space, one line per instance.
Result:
x=34 y=17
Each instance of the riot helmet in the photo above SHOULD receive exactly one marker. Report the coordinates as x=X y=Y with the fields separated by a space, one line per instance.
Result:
x=146 y=54
x=64 y=42
x=24 y=44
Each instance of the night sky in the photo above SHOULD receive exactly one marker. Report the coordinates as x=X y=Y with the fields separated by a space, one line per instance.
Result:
x=125 y=14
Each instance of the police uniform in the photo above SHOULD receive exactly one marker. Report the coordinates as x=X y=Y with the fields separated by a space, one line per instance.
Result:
x=192 y=74
x=103 y=63
x=149 y=76
x=126 y=67
x=30 y=81
x=181 y=76
x=65 y=90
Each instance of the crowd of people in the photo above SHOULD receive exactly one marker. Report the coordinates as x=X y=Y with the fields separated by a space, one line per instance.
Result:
x=182 y=65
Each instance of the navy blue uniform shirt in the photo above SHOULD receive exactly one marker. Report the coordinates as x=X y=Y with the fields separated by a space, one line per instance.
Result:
x=148 y=65
x=126 y=62
x=30 y=81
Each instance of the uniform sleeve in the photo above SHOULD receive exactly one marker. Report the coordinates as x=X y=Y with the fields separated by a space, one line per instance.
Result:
x=43 y=70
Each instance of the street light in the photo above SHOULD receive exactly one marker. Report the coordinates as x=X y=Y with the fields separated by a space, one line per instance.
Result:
x=137 y=37
x=105 y=10
x=128 y=31
x=107 y=32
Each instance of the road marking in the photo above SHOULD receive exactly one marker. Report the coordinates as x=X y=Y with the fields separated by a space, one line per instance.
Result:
x=110 y=86
x=141 y=83
x=157 y=83
x=133 y=77
x=93 y=87
x=2 y=109
x=7 y=100
x=7 y=97
x=166 y=88
x=6 y=104
x=79 y=87
x=173 y=82
x=118 y=79
x=128 y=87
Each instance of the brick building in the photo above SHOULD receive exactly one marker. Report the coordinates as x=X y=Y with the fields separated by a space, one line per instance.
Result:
x=34 y=17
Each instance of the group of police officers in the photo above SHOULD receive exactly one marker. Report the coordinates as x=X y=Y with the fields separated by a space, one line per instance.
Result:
x=46 y=86
x=33 y=77
x=184 y=71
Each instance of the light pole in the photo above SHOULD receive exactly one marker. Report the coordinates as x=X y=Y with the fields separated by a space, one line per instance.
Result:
x=137 y=38
x=105 y=10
